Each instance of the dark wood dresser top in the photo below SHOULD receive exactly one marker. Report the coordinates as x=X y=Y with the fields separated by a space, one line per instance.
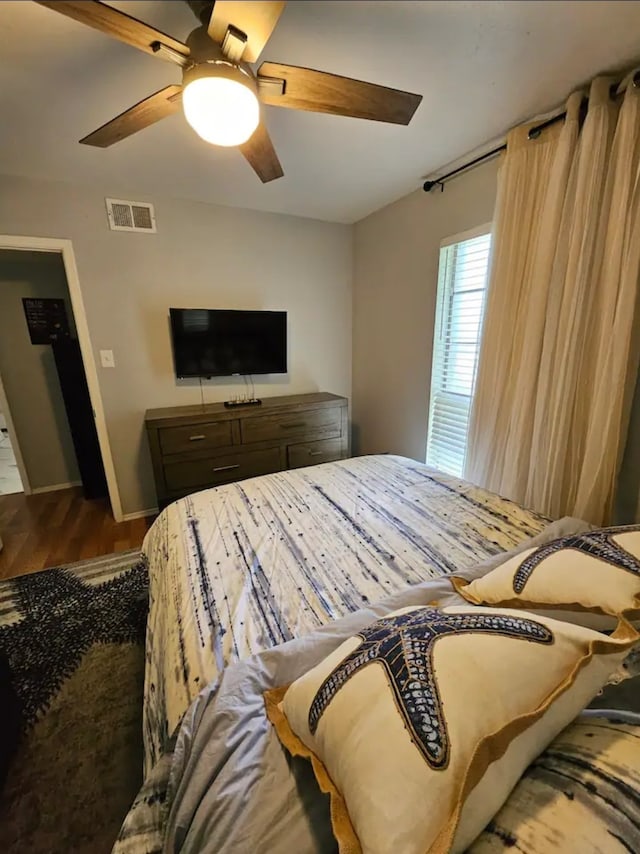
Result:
x=197 y=413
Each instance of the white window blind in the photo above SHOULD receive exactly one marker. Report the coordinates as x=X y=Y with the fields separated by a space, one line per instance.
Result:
x=462 y=281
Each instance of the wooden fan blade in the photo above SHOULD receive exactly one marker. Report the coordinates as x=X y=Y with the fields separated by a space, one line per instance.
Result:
x=108 y=20
x=261 y=155
x=147 y=112
x=256 y=19
x=319 y=92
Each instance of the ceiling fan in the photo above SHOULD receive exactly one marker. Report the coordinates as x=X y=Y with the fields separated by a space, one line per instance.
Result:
x=220 y=92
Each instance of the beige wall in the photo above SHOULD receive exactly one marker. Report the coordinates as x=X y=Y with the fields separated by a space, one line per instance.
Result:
x=28 y=371
x=394 y=298
x=203 y=256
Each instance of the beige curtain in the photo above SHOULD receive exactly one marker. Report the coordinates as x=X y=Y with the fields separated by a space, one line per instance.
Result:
x=559 y=353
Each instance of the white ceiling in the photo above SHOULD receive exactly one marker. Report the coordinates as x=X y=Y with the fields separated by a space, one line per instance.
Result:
x=481 y=66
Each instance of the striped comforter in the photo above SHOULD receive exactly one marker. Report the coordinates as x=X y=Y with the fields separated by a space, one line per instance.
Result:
x=243 y=567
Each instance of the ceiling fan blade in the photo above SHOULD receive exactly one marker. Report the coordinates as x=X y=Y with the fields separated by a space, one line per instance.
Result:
x=261 y=155
x=256 y=19
x=110 y=21
x=320 y=92
x=147 y=112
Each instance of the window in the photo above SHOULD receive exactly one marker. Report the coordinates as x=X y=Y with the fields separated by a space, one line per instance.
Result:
x=462 y=280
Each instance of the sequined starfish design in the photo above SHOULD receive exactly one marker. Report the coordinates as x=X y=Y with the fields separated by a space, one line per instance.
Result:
x=403 y=645
x=599 y=544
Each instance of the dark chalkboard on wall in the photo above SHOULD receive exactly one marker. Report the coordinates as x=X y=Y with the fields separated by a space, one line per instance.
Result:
x=46 y=319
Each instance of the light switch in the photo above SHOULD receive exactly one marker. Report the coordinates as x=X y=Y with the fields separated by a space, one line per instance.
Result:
x=106 y=359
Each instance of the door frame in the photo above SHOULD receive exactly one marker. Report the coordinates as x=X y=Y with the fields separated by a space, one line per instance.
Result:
x=64 y=248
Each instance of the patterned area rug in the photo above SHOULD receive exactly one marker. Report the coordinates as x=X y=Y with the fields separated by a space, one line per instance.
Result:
x=71 y=681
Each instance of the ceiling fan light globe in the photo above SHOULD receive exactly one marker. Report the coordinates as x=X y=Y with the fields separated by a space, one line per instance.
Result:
x=221 y=110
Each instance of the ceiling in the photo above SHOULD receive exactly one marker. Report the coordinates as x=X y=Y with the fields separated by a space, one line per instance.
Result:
x=481 y=66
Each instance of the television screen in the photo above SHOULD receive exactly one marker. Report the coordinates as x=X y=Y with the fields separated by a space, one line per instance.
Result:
x=221 y=343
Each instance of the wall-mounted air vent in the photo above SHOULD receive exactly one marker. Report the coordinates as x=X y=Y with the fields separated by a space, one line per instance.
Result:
x=130 y=216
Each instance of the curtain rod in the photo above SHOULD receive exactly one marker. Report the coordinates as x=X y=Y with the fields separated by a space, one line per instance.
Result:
x=534 y=133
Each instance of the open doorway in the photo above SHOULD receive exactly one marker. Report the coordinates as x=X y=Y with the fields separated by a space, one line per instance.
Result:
x=50 y=441
x=12 y=475
x=10 y=480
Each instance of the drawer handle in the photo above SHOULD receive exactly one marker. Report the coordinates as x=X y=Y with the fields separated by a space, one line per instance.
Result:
x=197 y=438
x=227 y=468
x=293 y=426
x=315 y=453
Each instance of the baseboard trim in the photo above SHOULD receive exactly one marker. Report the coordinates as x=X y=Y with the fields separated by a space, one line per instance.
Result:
x=140 y=514
x=55 y=487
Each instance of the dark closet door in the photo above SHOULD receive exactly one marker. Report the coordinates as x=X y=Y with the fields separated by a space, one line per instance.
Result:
x=75 y=394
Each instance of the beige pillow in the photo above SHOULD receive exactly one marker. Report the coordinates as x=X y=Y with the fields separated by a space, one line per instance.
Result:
x=420 y=726
x=595 y=572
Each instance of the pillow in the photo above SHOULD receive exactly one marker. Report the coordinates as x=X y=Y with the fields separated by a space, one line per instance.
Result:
x=594 y=572
x=454 y=707
x=582 y=793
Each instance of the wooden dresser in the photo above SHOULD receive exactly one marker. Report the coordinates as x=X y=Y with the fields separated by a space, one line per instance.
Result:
x=195 y=447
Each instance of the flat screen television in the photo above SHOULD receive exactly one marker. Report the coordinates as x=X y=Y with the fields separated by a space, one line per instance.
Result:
x=223 y=343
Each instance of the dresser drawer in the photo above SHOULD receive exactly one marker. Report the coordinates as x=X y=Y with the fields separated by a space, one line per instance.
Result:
x=310 y=453
x=177 y=440
x=212 y=471
x=316 y=422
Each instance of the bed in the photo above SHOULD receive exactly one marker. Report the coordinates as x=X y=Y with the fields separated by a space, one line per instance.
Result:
x=245 y=567
x=249 y=584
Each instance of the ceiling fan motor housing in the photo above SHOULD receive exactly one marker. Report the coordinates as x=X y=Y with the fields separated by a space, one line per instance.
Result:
x=202 y=47
x=207 y=59
x=204 y=50
x=202 y=9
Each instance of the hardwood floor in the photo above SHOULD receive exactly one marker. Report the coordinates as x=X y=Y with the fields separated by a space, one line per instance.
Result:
x=53 y=528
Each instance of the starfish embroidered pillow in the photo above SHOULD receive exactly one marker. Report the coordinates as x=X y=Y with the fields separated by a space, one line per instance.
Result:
x=596 y=572
x=419 y=726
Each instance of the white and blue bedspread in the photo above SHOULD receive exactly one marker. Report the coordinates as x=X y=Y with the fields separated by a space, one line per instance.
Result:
x=244 y=567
